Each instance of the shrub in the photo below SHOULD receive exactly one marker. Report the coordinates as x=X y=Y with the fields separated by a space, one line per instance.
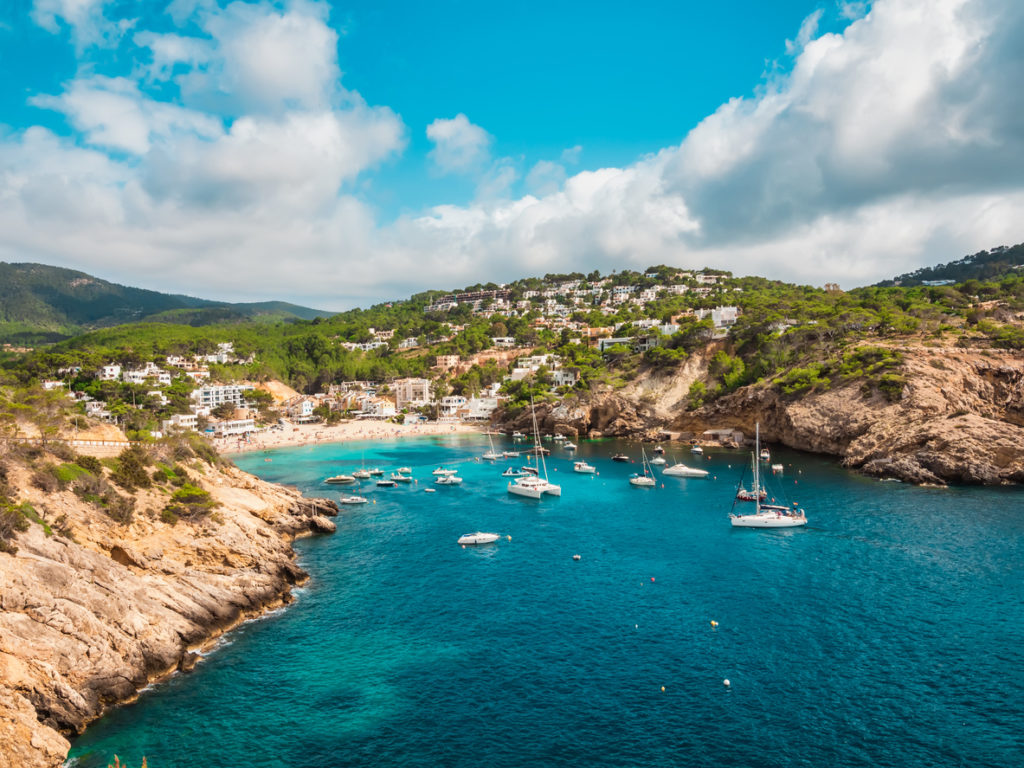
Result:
x=891 y=385
x=191 y=502
x=12 y=522
x=90 y=464
x=44 y=480
x=120 y=508
x=131 y=469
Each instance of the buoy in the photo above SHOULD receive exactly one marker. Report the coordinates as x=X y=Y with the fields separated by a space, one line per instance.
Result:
x=714 y=623
x=663 y=689
x=652 y=578
x=575 y=557
x=636 y=626
x=726 y=682
x=509 y=537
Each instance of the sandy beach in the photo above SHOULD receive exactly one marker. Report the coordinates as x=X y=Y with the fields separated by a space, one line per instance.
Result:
x=312 y=434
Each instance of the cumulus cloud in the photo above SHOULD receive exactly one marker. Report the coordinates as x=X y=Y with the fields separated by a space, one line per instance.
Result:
x=85 y=19
x=459 y=145
x=893 y=144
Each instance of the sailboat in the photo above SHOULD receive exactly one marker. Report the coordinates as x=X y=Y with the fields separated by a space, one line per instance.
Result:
x=646 y=480
x=491 y=455
x=535 y=486
x=766 y=515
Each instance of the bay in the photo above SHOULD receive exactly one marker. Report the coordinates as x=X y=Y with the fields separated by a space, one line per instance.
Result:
x=885 y=633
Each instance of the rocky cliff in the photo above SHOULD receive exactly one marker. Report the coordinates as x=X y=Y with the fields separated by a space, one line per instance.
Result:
x=91 y=616
x=959 y=418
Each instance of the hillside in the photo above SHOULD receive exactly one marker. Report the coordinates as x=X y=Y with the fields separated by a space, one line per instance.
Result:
x=984 y=265
x=39 y=303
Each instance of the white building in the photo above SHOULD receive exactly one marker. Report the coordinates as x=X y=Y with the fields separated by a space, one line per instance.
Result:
x=450 y=405
x=232 y=427
x=150 y=371
x=182 y=421
x=411 y=393
x=213 y=395
x=721 y=317
x=503 y=341
x=481 y=407
x=563 y=377
x=109 y=373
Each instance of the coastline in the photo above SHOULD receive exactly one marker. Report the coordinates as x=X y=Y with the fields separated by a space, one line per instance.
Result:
x=296 y=435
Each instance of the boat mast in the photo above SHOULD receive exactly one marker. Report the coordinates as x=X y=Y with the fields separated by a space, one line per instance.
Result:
x=536 y=439
x=757 y=474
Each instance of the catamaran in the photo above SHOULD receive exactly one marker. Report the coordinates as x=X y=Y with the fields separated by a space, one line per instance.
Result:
x=535 y=486
x=766 y=515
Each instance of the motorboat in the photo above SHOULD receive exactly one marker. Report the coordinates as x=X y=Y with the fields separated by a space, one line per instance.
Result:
x=620 y=457
x=777 y=469
x=765 y=455
x=510 y=454
x=517 y=435
x=340 y=480
x=742 y=494
x=352 y=500
x=583 y=468
x=681 y=470
x=429 y=490
x=400 y=478
x=657 y=461
x=376 y=472
x=766 y=515
x=478 y=538
x=361 y=474
x=540 y=450
x=570 y=446
x=658 y=450
x=529 y=470
x=696 y=450
x=386 y=483
x=559 y=438
x=645 y=480
x=513 y=472
x=448 y=480
x=534 y=486
x=441 y=471
x=404 y=470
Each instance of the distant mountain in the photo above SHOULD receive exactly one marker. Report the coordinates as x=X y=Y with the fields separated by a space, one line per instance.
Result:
x=984 y=265
x=40 y=303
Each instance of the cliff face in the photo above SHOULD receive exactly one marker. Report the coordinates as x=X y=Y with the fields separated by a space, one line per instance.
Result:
x=960 y=418
x=86 y=623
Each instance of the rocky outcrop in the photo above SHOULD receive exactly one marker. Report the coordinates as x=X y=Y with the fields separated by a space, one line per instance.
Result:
x=959 y=419
x=86 y=622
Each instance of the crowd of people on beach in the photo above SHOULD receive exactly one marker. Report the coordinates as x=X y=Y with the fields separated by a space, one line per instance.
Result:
x=312 y=434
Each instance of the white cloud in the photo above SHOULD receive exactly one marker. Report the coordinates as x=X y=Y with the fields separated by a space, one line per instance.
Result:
x=571 y=156
x=808 y=29
x=894 y=144
x=459 y=145
x=85 y=19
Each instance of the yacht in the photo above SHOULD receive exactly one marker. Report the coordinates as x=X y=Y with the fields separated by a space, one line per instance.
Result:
x=352 y=499
x=448 y=480
x=766 y=515
x=620 y=457
x=386 y=483
x=658 y=449
x=377 y=472
x=765 y=455
x=478 y=538
x=441 y=471
x=510 y=454
x=584 y=468
x=681 y=470
x=517 y=435
x=646 y=480
x=777 y=469
x=657 y=461
x=570 y=446
x=340 y=480
x=404 y=470
x=535 y=486
x=396 y=477
x=559 y=438
x=513 y=472
x=361 y=474
x=696 y=450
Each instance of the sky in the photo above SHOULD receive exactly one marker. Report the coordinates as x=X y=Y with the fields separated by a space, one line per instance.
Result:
x=342 y=154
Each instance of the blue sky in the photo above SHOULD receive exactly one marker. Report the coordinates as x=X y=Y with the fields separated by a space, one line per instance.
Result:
x=339 y=154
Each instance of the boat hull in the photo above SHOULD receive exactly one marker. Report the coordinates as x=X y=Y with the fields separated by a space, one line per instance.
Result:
x=529 y=492
x=767 y=520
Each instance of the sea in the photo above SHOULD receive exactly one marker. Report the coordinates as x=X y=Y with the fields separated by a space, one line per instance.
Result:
x=887 y=632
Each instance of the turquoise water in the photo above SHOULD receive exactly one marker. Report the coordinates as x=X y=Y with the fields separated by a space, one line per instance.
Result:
x=888 y=632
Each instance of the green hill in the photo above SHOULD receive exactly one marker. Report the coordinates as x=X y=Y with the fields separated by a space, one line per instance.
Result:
x=41 y=304
x=984 y=265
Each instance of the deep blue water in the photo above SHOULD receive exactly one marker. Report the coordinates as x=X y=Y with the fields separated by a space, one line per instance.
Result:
x=889 y=632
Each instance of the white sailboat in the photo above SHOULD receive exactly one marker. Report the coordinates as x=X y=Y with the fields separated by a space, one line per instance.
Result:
x=766 y=515
x=535 y=486
x=492 y=455
x=646 y=480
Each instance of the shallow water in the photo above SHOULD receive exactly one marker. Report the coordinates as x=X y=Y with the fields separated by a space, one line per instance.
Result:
x=886 y=633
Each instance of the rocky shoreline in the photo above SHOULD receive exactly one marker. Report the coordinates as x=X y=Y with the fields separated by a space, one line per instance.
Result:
x=958 y=420
x=87 y=622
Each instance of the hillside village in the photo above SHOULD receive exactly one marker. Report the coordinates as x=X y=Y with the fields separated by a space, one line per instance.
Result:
x=608 y=315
